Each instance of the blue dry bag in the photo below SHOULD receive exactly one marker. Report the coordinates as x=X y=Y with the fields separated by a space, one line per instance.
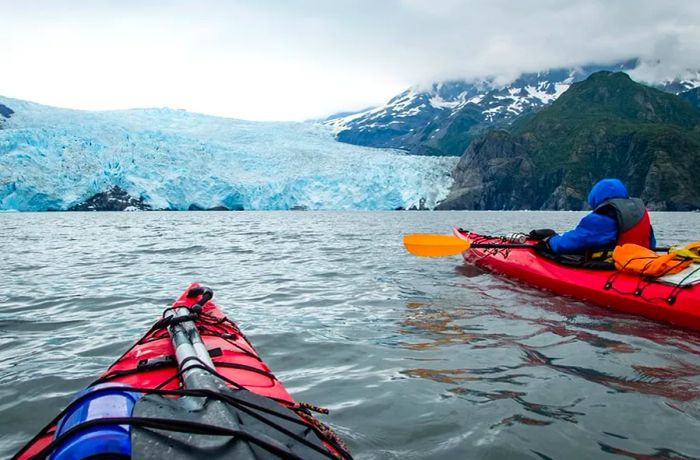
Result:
x=118 y=401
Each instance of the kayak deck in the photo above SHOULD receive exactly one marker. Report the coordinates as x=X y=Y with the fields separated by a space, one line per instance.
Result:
x=609 y=288
x=151 y=364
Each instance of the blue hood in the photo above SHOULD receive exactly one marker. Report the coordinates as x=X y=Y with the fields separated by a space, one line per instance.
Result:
x=606 y=189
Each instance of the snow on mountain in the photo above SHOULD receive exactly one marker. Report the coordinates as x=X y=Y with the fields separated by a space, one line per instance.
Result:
x=443 y=119
x=54 y=158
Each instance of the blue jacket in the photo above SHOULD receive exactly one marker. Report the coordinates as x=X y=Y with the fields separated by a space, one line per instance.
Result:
x=595 y=231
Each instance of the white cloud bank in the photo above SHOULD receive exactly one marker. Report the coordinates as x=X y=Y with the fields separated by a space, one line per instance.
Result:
x=279 y=59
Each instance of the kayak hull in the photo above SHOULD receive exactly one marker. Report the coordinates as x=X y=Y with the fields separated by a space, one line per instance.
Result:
x=625 y=293
x=150 y=363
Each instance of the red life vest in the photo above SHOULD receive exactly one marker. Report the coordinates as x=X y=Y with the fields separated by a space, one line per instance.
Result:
x=633 y=223
x=638 y=234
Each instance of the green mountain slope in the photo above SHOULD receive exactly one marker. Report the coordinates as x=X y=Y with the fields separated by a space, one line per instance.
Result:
x=692 y=96
x=605 y=126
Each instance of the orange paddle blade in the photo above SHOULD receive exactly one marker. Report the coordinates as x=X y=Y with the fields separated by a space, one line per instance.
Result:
x=429 y=245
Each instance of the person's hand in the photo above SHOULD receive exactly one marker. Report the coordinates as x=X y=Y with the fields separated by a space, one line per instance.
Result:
x=542 y=245
x=541 y=234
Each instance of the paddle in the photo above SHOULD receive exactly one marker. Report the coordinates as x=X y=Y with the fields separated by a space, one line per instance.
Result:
x=431 y=245
x=190 y=351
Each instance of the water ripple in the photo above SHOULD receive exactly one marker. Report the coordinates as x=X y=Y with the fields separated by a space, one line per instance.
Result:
x=416 y=358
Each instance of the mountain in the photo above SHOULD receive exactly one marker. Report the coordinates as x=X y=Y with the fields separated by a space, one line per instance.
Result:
x=59 y=159
x=445 y=118
x=605 y=126
x=692 y=96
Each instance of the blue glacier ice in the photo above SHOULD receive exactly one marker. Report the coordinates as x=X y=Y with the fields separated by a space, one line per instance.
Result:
x=53 y=158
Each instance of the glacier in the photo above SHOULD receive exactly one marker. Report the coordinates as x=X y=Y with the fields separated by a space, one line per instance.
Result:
x=53 y=159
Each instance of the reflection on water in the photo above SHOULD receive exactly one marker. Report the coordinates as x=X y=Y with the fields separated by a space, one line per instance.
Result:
x=673 y=381
x=659 y=454
x=447 y=330
x=673 y=386
x=589 y=347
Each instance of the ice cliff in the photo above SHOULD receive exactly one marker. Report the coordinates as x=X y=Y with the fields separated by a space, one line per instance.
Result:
x=57 y=159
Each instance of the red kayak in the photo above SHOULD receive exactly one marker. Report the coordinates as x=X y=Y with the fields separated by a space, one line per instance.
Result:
x=191 y=387
x=678 y=305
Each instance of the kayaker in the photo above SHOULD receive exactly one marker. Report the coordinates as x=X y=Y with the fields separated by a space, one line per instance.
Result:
x=616 y=219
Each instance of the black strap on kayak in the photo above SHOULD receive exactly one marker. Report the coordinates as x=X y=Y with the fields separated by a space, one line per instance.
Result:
x=158 y=364
x=206 y=323
x=252 y=404
x=303 y=407
x=569 y=260
x=579 y=261
x=172 y=320
x=576 y=260
x=239 y=399
x=645 y=281
x=170 y=425
x=252 y=408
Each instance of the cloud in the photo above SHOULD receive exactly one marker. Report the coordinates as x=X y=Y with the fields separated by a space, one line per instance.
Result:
x=672 y=57
x=282 y=59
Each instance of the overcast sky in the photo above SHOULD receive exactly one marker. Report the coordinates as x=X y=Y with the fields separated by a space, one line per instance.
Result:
x=293 y=60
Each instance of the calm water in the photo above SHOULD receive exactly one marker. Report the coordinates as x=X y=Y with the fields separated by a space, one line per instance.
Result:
x=416 y=358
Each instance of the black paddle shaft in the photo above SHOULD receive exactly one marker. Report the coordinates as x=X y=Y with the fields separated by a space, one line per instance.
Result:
x=500 y=245
x=523 y=245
